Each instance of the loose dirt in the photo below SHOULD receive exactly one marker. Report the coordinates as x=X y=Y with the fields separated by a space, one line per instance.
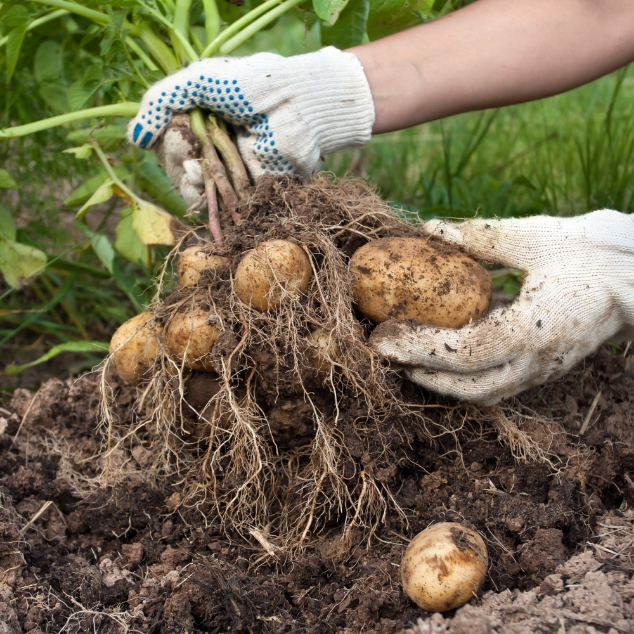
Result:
x=133 y=558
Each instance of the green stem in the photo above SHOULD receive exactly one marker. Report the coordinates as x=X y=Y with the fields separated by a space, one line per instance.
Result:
x=127 y=109
x=181 y=22
x=187 y=47
x=141 y=54
x=72 y=7
x=158 y=49
x=212 y=20
x=258 y=25
x=232 y=29
x=38 y=22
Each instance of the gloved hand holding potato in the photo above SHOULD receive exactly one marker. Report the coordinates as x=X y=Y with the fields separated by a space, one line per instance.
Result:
x=578 y=292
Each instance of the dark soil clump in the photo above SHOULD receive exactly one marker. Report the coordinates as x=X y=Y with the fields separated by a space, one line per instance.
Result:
x=133 y=556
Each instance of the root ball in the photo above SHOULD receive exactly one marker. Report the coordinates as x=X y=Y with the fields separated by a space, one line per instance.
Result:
x=411 y=278
x=134 y=346
x=269 y=273
x=193 y=262
x=444 y=566
x=190 y=338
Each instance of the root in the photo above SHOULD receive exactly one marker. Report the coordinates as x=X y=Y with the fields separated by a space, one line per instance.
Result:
x=283 y=447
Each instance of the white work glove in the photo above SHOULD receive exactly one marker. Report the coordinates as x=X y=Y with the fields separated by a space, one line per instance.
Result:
x=290 y=111
x=578 y=292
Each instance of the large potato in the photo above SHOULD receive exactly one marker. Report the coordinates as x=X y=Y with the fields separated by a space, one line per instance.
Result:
x=411 y=278
x=190 y=338
x=444 y=566
x=267 y=274
x=134 y=347
x=193 y=262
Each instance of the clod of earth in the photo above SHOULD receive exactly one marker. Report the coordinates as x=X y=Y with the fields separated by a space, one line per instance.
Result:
x=444 y=566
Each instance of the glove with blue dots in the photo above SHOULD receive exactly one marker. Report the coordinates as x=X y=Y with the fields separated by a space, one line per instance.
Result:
x=288 y=111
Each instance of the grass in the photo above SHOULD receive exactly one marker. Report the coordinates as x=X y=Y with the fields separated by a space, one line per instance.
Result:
x=564 y=155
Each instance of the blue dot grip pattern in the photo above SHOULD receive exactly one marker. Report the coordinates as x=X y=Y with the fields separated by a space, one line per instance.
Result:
x=223 y=97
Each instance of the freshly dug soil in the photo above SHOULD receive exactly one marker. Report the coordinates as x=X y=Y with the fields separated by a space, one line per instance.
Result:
x=131 y=557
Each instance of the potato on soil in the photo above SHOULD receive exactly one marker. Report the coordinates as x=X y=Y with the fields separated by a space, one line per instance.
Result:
x=411 y=278
x=266 y=274
x=189 y=337
x=193 y=262
x=444 y=566
x=134 y=346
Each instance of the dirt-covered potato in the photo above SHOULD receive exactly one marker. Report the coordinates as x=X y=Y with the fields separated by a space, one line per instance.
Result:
x=134 y=346
x=193 y=262
x=269 y=273
x=412 y=278
x=190 y=337
x=444 y=566
x=323 y=349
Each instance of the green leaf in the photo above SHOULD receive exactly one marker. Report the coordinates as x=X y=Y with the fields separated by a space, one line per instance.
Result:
x=14 y=44
x=102 y=194
x=7 y=225
x=128 y=243
x=101 y=135
x=19 y=262
x=349 y=30
x=6 y=182
x=81 y=152
x=16 y=15
x=329 y=10
x=154 y=181
x=391 y=16
x=48 y=63
x=103 y=248
x=70 y=346
x=85 y=190
x=81 y=94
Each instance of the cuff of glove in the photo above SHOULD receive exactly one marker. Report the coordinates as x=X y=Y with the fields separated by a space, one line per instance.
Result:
x=339 y=108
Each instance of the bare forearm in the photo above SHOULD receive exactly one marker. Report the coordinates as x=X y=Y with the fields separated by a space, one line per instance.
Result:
x=494 y=53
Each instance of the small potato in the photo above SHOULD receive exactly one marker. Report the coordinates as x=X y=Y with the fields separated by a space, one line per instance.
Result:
x=444 y=566
x=193 y=262
x=323 y=349
x=269 y=272
x=134 y=346
x=411 y=278
x=189 y=337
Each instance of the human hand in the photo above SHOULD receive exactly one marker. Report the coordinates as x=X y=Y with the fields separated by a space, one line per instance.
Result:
x=289 y=111
x=578 y=292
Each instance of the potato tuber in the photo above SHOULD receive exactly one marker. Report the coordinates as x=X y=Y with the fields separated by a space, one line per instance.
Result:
x=189 y=337
x=193 y=262
x=267 y=274
x=134 y=346
x=444 y=566
x=411 y=278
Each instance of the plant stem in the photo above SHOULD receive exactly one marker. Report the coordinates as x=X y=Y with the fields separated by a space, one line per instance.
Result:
x=181 y=22
x=187 y=47
x=212 y=20
x=127 y=109
x=231 y=157
x=73 y=7
x=258 y=25
x=232 y=29
x=159 y=50
x=38 y=22
x=141 y=54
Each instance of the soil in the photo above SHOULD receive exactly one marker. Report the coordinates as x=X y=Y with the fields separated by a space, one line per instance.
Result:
x=132 y=558
x=117 y=520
